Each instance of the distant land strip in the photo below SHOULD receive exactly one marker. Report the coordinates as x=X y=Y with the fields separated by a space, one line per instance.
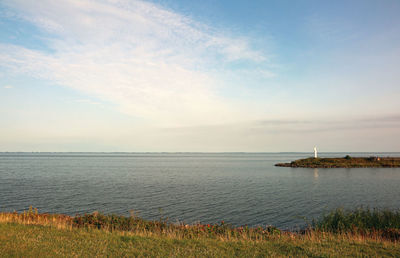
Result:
x=345 y=162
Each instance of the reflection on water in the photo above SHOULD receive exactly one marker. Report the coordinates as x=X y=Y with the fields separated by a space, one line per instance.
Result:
x=316 y=175
x=243 y=188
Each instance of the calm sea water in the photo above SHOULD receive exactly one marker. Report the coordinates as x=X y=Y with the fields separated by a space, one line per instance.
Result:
x=239 y=188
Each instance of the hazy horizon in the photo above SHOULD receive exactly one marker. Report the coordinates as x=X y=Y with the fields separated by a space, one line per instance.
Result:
x=321 y=153
x=189 y=76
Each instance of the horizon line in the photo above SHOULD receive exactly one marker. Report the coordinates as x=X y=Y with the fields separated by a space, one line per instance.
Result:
x=196 y=152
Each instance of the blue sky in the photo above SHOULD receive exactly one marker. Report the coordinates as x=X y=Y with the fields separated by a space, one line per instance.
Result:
x=119 y=75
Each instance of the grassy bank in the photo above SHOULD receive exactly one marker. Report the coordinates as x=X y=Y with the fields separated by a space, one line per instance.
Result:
x=34 y=234
x=345 y=162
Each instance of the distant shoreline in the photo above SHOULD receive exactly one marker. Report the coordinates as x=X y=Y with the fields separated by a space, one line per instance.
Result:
x=203 y=152
x=345 y=162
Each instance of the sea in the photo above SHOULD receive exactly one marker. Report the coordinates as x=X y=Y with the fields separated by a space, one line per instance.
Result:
x=237 y=188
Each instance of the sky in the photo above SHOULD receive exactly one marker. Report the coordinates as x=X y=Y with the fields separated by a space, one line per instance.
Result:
x=199 y=76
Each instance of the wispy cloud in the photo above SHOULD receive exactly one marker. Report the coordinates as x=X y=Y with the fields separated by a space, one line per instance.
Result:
x=87 y=101
x=332 y=125
x=152 y=62
x=8 y=87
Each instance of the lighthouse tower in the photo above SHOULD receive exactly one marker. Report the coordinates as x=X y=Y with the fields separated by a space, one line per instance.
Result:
x=315 y=152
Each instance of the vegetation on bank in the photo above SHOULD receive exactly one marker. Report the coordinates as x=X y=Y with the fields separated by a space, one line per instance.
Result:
x=361 y=232
x=137 y=225
x=365 y=222
x=345 y=162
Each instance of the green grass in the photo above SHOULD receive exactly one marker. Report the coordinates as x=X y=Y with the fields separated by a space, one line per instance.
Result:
x=18 y=240
x=339 y=233
x=346 y=162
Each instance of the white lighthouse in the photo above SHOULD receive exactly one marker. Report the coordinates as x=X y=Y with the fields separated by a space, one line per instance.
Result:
x=315 y=152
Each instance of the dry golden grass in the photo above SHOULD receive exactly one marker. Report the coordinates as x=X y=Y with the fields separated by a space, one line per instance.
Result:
x=221 y=232
x=32 y=217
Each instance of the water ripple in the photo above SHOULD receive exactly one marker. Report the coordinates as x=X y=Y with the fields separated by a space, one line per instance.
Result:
x=242 y=188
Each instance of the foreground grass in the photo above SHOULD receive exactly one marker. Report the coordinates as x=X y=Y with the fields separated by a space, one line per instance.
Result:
x=361 y=232
x=346 y=162
x=43 y=241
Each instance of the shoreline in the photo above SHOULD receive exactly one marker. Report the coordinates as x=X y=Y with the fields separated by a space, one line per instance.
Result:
x=343 y=220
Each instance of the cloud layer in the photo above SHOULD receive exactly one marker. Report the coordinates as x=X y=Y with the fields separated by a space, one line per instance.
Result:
x=151 y=62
